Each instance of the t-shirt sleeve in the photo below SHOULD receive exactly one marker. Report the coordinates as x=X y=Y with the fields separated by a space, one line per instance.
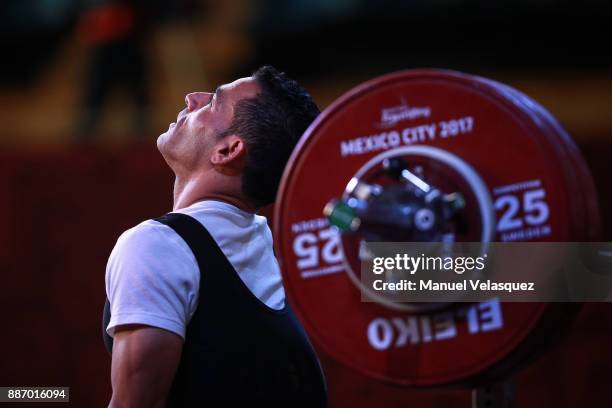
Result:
x=152 y=278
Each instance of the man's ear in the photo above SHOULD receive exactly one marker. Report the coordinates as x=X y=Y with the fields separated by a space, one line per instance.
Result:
x=230 y=151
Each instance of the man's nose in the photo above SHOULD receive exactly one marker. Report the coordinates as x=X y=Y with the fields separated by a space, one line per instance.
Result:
x=196 y=100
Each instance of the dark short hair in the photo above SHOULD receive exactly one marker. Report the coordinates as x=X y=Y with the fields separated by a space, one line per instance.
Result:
x=270 y=124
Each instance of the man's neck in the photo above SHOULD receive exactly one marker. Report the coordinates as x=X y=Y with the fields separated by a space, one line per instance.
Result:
x=190 y=191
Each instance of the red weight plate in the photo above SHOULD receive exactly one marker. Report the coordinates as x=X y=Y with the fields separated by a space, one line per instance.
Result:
x=584 y=198
x=591 y=219
x=579 y=179
x=472 y=121
x=557 y=147
x=585 y=220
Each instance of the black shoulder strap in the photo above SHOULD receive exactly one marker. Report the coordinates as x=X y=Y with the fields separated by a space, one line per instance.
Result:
x=201 y=243
x=199 y=240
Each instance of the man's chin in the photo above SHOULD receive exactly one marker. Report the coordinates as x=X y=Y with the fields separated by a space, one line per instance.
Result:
x=161 y=141
x=164 y=138
x=166 y=146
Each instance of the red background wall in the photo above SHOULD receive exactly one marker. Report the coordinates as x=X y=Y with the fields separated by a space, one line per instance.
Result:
x=62 y=211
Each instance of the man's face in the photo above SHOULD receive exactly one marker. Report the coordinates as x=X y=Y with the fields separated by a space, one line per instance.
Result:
x=189 y=142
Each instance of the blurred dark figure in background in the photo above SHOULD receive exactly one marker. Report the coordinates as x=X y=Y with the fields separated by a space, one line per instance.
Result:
x=115 y=31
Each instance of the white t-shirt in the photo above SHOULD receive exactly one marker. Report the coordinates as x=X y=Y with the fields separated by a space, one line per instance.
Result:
x=152 y=276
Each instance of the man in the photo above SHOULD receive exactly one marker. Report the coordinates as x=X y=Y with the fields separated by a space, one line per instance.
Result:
x=190 y=328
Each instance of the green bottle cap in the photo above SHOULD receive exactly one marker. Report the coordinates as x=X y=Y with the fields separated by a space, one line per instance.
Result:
x=341 y=215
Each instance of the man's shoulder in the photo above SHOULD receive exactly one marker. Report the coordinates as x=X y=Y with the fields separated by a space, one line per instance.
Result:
x=150 y=243
x=147 y=232
x=151 y=278
x=151 y=237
